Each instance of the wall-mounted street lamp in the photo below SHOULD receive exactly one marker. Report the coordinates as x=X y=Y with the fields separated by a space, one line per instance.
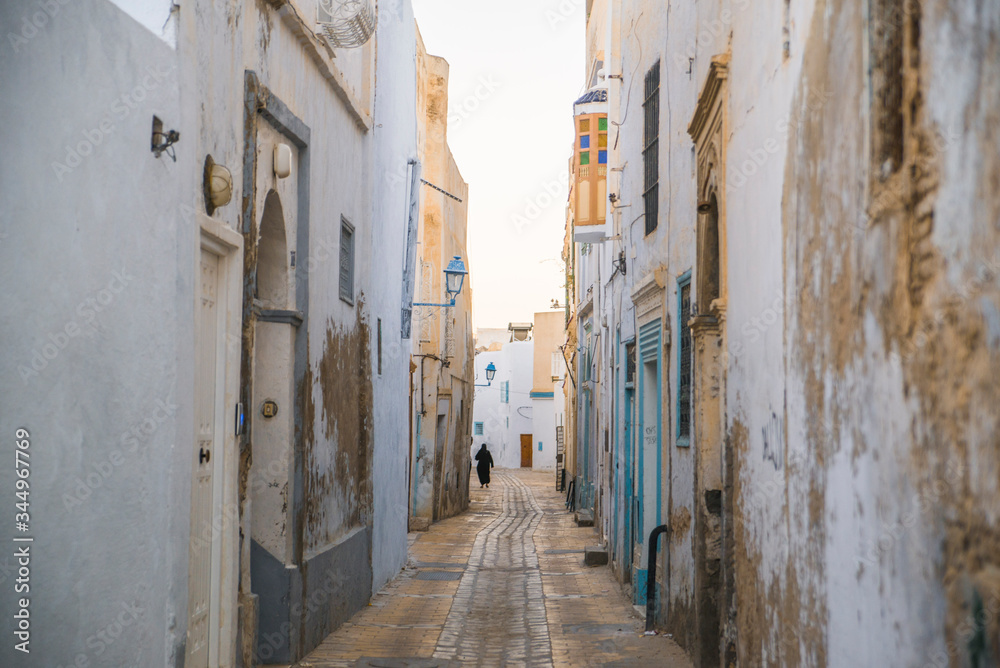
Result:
x=491 y=371
x=454 y=276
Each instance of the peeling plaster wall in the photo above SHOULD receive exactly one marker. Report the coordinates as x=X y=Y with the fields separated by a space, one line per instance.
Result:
x=442 y=343
x=863 y=410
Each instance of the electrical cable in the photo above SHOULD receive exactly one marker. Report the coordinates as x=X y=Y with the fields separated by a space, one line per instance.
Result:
x=628 y=99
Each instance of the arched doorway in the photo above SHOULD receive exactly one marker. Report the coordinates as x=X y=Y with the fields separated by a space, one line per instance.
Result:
x=272 y=412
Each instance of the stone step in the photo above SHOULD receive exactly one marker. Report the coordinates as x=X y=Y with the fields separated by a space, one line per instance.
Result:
x=595 y=556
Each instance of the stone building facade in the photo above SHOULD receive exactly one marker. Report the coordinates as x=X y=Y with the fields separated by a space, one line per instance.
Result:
x=816 y=307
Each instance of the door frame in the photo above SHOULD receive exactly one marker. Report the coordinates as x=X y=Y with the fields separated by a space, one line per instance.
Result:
x=221 y=240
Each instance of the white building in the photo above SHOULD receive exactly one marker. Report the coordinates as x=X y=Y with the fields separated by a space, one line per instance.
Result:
x=504 y=409
x=214 y=386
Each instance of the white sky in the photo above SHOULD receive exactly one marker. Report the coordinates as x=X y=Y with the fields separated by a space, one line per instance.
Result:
x=516 y=68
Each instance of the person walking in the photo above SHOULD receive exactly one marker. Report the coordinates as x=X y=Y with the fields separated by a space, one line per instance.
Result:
x=485 y=460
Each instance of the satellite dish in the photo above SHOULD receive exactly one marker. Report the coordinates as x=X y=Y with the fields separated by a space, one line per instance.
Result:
x=346 y=24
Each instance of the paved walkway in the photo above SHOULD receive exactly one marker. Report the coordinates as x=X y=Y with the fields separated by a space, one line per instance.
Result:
x=501 y=585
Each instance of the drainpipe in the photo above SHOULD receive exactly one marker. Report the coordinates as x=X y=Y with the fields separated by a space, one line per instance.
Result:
x=651 y=575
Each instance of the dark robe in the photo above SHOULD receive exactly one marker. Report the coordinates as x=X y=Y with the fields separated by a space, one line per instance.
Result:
x=485 y=460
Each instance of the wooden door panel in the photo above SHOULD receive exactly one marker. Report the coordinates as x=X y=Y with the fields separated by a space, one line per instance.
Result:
x=526 y=451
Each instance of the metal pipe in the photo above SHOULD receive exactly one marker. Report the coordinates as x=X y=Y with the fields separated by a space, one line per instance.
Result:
x=654 y=535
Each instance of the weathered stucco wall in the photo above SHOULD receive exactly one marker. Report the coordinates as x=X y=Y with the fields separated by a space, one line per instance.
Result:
x=442 y=342
x=98 y=266
x=867 y=531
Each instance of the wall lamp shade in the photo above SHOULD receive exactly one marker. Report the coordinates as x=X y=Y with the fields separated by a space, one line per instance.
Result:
x=218 y=184
x=455 y=277
x=491 y=372
x=282 y=160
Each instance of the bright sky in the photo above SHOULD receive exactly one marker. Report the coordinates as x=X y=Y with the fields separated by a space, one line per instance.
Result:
x=516 y=68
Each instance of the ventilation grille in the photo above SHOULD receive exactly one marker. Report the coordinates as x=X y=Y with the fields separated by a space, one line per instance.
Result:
x=346 y=24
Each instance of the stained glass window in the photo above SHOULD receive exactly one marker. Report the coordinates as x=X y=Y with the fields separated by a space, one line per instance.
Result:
x=602 y=157
x=602 y=124
x=585 y=158
x=585 y=141
x=585 y=126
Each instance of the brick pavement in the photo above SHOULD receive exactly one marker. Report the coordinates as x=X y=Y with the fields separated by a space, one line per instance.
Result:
x=501 y=585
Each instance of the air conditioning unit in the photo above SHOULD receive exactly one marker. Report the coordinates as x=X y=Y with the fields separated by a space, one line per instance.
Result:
x=346 y=24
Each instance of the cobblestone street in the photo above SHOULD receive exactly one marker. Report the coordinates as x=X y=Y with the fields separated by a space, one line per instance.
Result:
x=501 y=585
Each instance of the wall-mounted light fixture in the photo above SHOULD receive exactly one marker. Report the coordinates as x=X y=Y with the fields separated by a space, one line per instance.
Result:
x=163 y=142
x=218 y=185
x=491 y=372
x=282 y=160
x=454 y=280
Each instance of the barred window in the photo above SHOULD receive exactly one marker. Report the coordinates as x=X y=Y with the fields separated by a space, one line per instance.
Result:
x=479 y=429
x=684 y=365
x=651 y=147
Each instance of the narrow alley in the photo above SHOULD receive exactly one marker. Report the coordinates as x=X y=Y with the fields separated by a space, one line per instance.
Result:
x=502 y=584
x=710 y=287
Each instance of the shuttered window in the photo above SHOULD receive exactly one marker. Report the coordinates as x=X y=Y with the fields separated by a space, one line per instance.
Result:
x=346 y=261
x=479 y=429
x=651 y=147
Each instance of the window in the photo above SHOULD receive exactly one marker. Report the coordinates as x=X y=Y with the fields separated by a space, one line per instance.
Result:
x=651 y=150
x=630 y=365
x=505 y=392
x=585 y=126
x=558 y=365
x=684 y=364
x=585 y=141
x=479 y=429
x=346 y=261
x=602 y=124
x=585 y=158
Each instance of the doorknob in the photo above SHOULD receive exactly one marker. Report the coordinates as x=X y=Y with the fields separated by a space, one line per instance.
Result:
x=204 y=455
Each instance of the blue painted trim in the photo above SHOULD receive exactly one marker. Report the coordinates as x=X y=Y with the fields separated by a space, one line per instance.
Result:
x=651 y=350
x=659 y=426
x=640 y=578
x=543 y=395
x=640 y=429
x=615 y=412
x=682 y=281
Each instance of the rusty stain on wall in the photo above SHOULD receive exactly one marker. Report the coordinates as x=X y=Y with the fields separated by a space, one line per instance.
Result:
x=338 y=467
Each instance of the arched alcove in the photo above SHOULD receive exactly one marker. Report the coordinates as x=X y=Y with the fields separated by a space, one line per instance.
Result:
x=710 y=261
x=272 y=255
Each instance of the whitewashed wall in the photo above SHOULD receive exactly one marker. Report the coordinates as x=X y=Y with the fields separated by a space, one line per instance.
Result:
x=98 y=266
x=394 y=146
